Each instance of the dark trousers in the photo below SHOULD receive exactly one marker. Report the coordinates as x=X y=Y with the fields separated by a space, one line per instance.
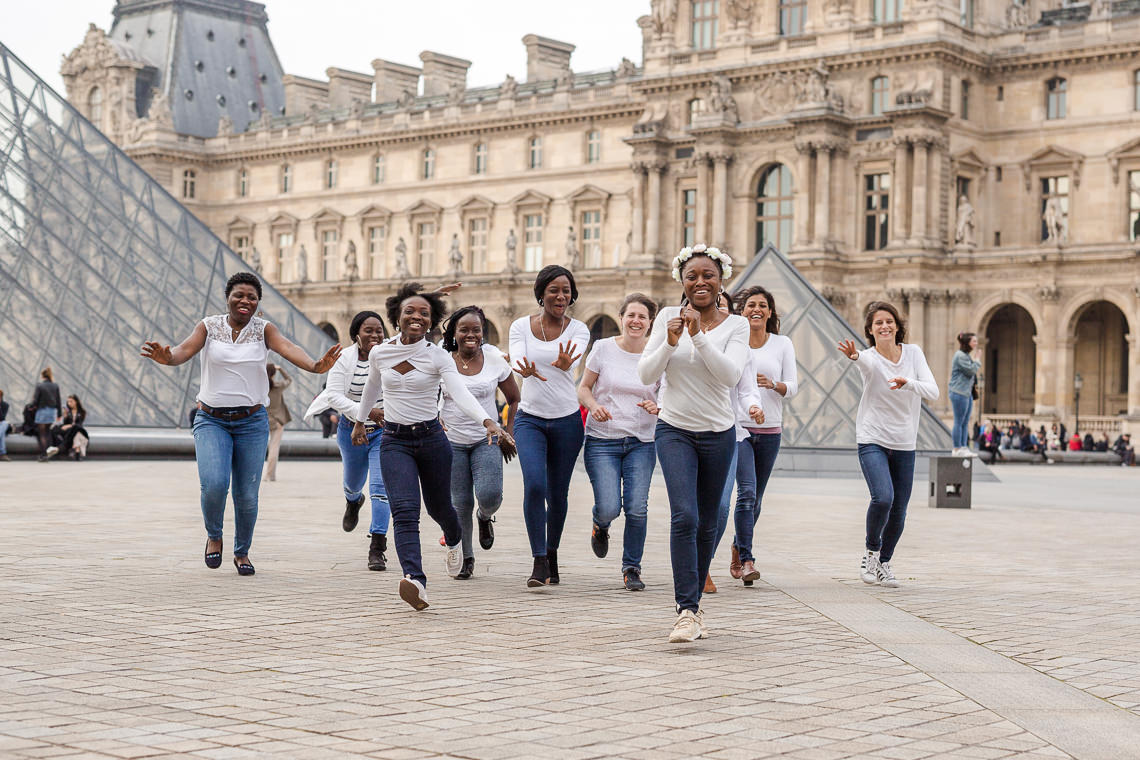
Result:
x=547 y=452
x=412 y=457
x=890 y=476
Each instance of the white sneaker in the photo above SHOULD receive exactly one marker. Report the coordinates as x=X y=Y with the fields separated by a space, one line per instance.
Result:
x=453 y=560
x=967 y=453
x=414 y=593
x=867 y=568
x=686 y=629
x=51 y=451
x=885 y=575
x=956 y=452
x=701 y=627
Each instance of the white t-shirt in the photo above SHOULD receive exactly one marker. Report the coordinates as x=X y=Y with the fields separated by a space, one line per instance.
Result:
x=890 y=417
x=461 y=429
x=776 y=359
x=414 y=396
x=558 y=396
x=233 y=371
x=619 y=389
x=700 y=372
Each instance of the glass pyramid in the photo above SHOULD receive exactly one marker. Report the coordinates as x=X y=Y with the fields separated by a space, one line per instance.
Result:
x=95 y=258
x=822 y=413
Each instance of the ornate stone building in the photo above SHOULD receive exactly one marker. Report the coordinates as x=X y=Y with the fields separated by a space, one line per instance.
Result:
x=978 y=164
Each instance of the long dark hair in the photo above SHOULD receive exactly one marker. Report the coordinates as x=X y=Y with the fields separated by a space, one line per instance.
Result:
x=875 y=306
x=773 y=325
x=449 y=344
x=964 y=341
x=79 y=410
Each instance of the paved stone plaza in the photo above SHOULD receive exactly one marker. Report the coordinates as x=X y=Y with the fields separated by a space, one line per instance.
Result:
x=1016 y=634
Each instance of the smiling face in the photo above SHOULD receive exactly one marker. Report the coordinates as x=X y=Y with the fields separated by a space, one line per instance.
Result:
x=635 y=320
x=757 y=311
x=700 y=277
x=556 y=296
x=469 y=333
x=415 y=318
x=242 y=303
x=370 y=334
x=883 y=327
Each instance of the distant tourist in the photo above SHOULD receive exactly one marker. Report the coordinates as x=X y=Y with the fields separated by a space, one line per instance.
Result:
x=896 y=380
x=1103 y=443
x=4 y=428
x=70 y=435
x=279 y=415
x=231 y=432
x=1087 y=443
x=46 y=404
x=1075 y=442
x=963 y=389
x=1124 y=449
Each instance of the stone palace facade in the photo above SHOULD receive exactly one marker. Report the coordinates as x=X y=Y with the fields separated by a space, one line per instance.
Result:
x=976 y=163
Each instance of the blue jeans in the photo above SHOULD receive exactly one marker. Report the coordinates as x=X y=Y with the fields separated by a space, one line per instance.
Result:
x=411 y=459
x=620 y=470
x=547 y=452
x=362 y=465
x=476 y=475
x=696 y=466
x=890 y=475
x=757 y=457
x=4 y=428
x=962 y=405
x=230 y=456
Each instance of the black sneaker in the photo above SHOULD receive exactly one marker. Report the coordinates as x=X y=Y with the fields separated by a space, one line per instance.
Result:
x=552 y=563
x=633 y=580
x=486 y=531
x=600 y=541
x=351 y=514
x=540 y=575
x=376 y=558
x=468 y=569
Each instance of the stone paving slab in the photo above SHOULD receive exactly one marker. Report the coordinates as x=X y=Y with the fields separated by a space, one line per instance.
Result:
x=115 y=640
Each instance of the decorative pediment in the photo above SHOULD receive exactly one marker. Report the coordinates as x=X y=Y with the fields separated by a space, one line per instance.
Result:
x=239 y=224
x=372 y=216
x=970 y=159
x=477 y=204
x=327 y=216
x=1052 y=157
x=1130 y=149
x=424 y=208
x=531 y=198
x=589 y=194
x=284 y=221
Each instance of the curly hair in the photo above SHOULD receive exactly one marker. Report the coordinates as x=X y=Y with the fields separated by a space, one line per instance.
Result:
x=449 y=343
x=406 y=291
x=359 y=319
x=244 y=278
x=742 y=297
x=549 y=274
x=875 y=306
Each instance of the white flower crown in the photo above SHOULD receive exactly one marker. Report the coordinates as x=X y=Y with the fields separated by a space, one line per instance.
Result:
x=717 y=255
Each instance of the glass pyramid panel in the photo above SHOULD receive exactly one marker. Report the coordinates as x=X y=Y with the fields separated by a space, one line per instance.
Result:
x=822 y=414
x=95 y=258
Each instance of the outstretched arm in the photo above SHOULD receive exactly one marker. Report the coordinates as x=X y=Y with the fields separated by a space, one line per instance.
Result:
x=180 y=354
x=296 y=355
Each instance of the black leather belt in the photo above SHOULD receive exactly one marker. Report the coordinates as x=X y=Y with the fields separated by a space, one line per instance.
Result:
x=229 y=413
x=415 y=429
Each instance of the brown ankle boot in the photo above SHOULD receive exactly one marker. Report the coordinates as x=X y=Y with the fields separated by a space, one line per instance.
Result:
x=734 y=563
x=749 y=572
x=710 y=587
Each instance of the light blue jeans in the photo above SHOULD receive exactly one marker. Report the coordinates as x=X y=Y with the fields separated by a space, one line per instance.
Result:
x=962 y=406
x=4 y=428
x=231 y=451
x=620 y=470
x=476 y=475
x=362 y=465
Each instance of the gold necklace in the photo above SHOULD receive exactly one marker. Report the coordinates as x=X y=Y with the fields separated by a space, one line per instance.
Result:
x=561 y=325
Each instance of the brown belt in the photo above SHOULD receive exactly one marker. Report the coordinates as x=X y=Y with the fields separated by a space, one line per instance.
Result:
x=229 y=413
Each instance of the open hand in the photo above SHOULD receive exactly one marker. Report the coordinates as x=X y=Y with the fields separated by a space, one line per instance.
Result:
x=673 y=330
x=566 y=356
x=601 y=414
x=847 y=348
x=325 y=363
x=897 y=383
x=156 y=352
x=649 y=406
x=757 y=414
x=527 y=369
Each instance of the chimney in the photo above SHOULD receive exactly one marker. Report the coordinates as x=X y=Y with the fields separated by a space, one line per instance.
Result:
x=545 y=58
x=392 y=79
x=346 y=86
x=442 y=71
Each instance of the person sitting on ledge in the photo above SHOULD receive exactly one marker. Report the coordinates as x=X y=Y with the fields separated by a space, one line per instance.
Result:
x=1123 y=448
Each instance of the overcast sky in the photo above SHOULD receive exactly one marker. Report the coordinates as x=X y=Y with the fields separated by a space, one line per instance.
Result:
x=311 y=35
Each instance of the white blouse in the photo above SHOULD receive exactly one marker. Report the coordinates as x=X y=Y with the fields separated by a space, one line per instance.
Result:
x=413 y=397
x=558 y=395
x=889 y=417
x=233 y=371
x=619 y=389
x=461 y=429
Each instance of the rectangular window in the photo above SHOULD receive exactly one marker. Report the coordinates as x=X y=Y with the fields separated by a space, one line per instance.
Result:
x=377 y=170
x=1055 y=91
x=330 y=174
x=1134 y=205
x=793 y=14
x=688 y=217
x=429 y=164
x=1000 y=93
x=997 y=174
x=284 y=256
x=593 y=146
x=705 y=14
x=425 y=247
x=286 y=179
x=532 y=241
x=189 y=178
x=876 y=211
x=477 y=243
x=964 y=101
x=885 y=11
x=591 y=224
x=963 y=187
x=328 y=255
x=966 y=13
x=243 y=183
x=1054 y=204
x=534 y=153
x=241 y=246
x=377 y=238
x=880 y=94
x=480 y=166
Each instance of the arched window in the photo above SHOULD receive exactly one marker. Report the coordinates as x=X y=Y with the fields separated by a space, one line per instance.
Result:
x=479 y=165
x=243 y=183
x=330 y=173
x=534 y=153
x=189 y=180
x=1055 y=90
x=95 y=106
x=286 y=178
x=880 y=94
x=378 y=169
x=774 y=208
x=429 y=163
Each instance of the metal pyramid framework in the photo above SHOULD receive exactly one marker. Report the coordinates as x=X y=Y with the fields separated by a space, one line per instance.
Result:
x=822 y=414
x=95 y=258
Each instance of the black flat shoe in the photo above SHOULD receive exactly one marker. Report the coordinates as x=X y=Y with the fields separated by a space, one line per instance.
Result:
x=468 y=569
x=377 y=560
x=552 y=563
x=540 y=575
x=213 y=559
x=245 y=567
x=352 y=514
x=486 y=532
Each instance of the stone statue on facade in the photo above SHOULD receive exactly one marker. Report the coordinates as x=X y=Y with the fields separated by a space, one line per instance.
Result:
x=664 y=15
x=159 y=111
x=1055 y=221
x=1017 y=14
x=302 y=265
x=626 y=69
x=265 y=121
x=455 y=92
x=740 y=12
x=964 y=231
x=455 y=257
x=509 y=88
x=356 y=110
x=564 y=81
x=351 y=268
x=406 y=99
x=721 y=100
x=402 y=271
x=255 y=260
x=512 y=253
x=573 y=257
x=311 y=116
x=225 y=125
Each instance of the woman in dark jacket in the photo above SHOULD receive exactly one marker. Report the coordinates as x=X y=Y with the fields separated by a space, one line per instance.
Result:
x=46 y=402
x=70 y=435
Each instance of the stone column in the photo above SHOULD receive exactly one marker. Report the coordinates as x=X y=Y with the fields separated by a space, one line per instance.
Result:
x=802 y=202
x=702 y=231
x=899 y=193
x=1134 y=378
x=637 y=212
x=653 y=225
x=720 y=198
x=916 y=329
x=823 y=195
x=1048 y=394
x=921 y=179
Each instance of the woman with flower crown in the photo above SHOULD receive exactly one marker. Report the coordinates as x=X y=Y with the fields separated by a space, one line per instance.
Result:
x=702 y=353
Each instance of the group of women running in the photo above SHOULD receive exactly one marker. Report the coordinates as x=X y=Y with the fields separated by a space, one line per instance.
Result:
x=699 y=387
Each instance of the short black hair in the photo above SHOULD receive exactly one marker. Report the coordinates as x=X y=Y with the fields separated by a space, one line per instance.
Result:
x=244 y=278
x=549 y=274
x=452 y=322
x=406 y=291
x=358 y=320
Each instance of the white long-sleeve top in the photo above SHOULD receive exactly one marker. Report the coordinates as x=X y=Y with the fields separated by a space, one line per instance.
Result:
x=745 y=395
x=700 y=372
x=776 y=359
x=413 y=397
x=345 y=381
x=889 y=417
x=558 y=395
